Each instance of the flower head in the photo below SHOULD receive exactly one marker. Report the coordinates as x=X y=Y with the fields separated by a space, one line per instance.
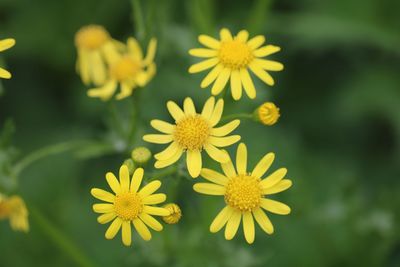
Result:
x=128 y=205
x=129 y=69
x=230 y=58
x=15 y=210
x=95 y=46
x=4 y=45
x=244 y=194
x=191 y=133
x=175 y=213
x=268 y=113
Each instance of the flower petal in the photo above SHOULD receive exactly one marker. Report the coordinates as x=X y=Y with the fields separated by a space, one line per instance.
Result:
x=221 y=81
x=151 y=52
x=104 y=92
x=126 y=233
x=243 y=35
x=208 y=108
x=154 y=199
x=164 y=163
x=279 y=187
x=188 y=106
x=103 y=208
x=236 y=85
x=156 y=211
x=263 y=220
x=275 y=206
x=151 y=222
x=137 y=178
x=150 y=188
x=113 y=182
x=269 y=64
x=102 y=195
x=228 y=168
x=158 y=138
x=169 y=152
x=256 y=42
x=209 y=189
x=211 y=76
x=134 y=49
x=248 y=84
x=232 y=225
x=262 y=74
x=203 y=52
x=113 y=228
x=106 y=217
x=241 y=159
x=248 y=227
x=274 y=178
x=266 y=50
x=175 y=111
x=142 y=229
x=209 y=41
x=203 y=65
x=4 y=74
x=6 y=44
x=225 y=129
x=263 y=165
x=214 y=176
x=221 y=219
x=216 y=154
x=225 y=35
x=217 y=113
x=162 y=126
x=193 y=162
x=224 y=141
x=124 y=178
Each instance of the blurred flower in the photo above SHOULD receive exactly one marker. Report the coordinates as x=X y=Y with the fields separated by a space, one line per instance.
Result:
x=129 y=70
x=175 y=213
x=244 y=193
x=94 y=46
x=141 y=155
x=192 y=133
x=230 y=58
x=4 y=45
x=128 y=205
x=15 y=210
x=130 y=164
x=268 y=113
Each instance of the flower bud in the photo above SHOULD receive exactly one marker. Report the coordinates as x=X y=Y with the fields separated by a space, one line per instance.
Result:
x=267 y=113
x=141 y=155
x=175 y=213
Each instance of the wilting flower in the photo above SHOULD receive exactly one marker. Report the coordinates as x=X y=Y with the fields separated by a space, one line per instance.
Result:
x=230 y=58
x=191 y=133
x=15 y=210
x=95 y=46
x=244 y=194
x=268 y=113
x=127 y=204
x=4 y=45
x=129 y=70
x=175 y=213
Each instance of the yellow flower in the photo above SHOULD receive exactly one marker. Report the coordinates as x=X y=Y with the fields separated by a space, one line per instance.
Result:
x=244 y=193
x=268 y=113
x=129 y=205
x=4 y=45
x=175 y=213
x=129 y=70
x=15 y=210
x=230 y=58
x=193 y=132
x=94 y=46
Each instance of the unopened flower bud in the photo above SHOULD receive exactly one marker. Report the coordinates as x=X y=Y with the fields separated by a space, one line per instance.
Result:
x=267 y=113
x=141 y=155
x=175 y=213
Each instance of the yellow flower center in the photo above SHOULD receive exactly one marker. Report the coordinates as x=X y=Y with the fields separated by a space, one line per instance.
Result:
x=124 y=68
x=243 y=192
x=128 y=206
x=235 y=54
x=192 y=132
x=91 y=37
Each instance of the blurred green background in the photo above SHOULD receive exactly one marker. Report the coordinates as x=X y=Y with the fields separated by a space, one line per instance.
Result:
x=339 y=132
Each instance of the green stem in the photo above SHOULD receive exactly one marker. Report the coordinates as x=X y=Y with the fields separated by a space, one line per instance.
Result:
x=173 y=169
x=138 y=20
x=237 y=116
x=59 y=238
x=44 y=152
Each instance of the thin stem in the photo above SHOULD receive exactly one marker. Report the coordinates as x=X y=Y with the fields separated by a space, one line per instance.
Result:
x=60 y=239
x=172 y=170
x=237 y=116
x=138 y=20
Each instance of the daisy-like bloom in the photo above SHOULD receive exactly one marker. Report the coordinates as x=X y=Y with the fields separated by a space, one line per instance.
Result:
x=175 y=213
x=15 y=210
x=191 y=133
x=94 y=45
x=230 y=58
x=245 y=194
x=4 y=45
x=268 y=113
x=128 y=205
x=129 y=70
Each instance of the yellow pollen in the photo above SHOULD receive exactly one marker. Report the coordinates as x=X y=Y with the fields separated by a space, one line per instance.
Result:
x=235 y=54
x=243 y=192
x=91 y=37
x=128 y=206
x=124 y=69
x=192 y=132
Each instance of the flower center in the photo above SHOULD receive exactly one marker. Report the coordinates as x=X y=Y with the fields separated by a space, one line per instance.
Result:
x=124 y=68
x=91 y=37
x=243 y=192
x=192 y=132
x=235 y=54
x=128 y=206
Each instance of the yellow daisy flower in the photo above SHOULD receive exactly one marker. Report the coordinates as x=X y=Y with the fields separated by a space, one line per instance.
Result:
x=193 y=132
x=15 y=210
x=129 y=205
x=94 y=45
x=230 y=58
x=129 y=70
x=244 y=193
x=4 y=45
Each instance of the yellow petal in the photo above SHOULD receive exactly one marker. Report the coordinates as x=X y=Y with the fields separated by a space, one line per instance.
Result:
x=142 y=229
x=156 y=211
x=208 y=108
x=221 y=219
x=221 y=81
x=137 y=178
x=266 y=50
x=113 y=228
x=134 y=49
x=151 y=222
x=111 y=53
x=124 y=178
x=169 y=152
x=164 y=163
x=102 y=195
x=225 y=129
x=4 y=74
x=126 y=90
x=247 y=83
x=214 y=176
x=243 y=35
x=223 y=141
x=248 y=227
x=211 y=76
x=216 y=154
x=150 y=188
x=162 y=126
x=274 y=178
x=232 y=225
x=6 y=44
x=225 y=35
x=113 y=183
x=154 y=199
x=241 y=159
x=263 y=220
x=236 y=85
x=103 y=208
x=263 y=165
x=269 y=64
x=151 y=51
x=203 y=65
x=209 y=41
x=262 y=74
x=158 y=138
x=203 y=52
x=106 y=217
x=193 y=162
x=188 y=106
x=228 y=168
x=175 y=111
x=279 y=187
x=274 y=206
x=217 y=113
x=126 y=233
x=209 y=189
x=256 y=42
x=105 y=92
x=97 y=67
